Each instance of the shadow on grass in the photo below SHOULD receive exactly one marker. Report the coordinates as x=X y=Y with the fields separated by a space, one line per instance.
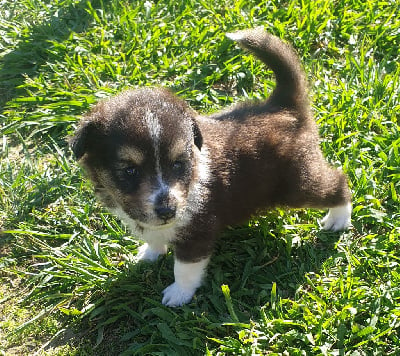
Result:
x=130 y=318
x=32 y=51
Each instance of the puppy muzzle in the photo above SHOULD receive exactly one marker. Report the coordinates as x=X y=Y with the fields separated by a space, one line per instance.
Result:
x=165 y=207
x=165 y=213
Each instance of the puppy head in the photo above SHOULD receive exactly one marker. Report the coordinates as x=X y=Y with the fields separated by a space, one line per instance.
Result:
x=139 y=149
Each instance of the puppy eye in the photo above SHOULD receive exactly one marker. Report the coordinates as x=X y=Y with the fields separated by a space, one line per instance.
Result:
x=131 y=171
x=178 y=166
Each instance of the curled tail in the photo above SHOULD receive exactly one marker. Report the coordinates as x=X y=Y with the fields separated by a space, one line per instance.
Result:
x=291 y=87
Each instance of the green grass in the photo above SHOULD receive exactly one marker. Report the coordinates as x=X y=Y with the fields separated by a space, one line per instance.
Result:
x=277 y=285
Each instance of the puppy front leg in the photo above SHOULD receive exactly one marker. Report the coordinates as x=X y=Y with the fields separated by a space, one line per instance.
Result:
x=151 y=251
x=338 y=218
x=188 y=277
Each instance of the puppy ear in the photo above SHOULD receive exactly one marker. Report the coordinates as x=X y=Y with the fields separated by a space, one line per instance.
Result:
x=198 y=138
x=80 y=142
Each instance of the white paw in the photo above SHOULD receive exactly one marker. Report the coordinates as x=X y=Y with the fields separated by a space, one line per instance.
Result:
x=338 y=218
x=176 y=296
x=149 y=253
x=235 y=36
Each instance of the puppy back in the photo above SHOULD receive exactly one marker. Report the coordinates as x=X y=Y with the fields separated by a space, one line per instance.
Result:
x=291 y=87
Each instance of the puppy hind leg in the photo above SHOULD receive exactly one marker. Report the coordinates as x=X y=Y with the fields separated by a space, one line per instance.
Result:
x=339 y=214
x=331 y=191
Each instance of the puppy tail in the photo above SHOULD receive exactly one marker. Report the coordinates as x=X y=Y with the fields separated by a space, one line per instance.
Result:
x=291 y=86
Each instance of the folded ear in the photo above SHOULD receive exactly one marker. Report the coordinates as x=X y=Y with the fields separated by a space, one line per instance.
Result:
x=198 y=138
x=83 y=137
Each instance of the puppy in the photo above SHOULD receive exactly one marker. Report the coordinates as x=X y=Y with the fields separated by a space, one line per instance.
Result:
x=177 y=178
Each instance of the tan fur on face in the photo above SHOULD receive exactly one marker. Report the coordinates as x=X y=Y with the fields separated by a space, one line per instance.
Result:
x=131 y=154
x=178 y=149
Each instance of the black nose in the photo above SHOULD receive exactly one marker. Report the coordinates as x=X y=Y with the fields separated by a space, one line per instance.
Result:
x=165 y=213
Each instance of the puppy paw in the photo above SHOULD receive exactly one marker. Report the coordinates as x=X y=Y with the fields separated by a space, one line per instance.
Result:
x=176 y=296
x=149 y=253
x=338 y=218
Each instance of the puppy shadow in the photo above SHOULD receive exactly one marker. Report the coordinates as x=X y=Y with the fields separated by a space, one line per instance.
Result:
x=246 y=259
x=251 y=261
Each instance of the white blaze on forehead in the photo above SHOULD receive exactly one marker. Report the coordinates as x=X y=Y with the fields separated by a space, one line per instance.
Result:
x=154 y=127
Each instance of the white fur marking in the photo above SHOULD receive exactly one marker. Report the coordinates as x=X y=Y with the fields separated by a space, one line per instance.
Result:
x=188 y=277
x=235 y=36
x=162 y=187
x=153 y=235
x=199 y=191
x=338 y=218
x=154 y=128
x=150 y=252
x=153 y=125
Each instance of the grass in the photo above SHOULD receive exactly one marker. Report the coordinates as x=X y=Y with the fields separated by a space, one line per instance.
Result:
x=276 y=285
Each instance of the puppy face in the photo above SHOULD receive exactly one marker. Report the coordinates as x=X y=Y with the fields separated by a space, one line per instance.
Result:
x=139 y=149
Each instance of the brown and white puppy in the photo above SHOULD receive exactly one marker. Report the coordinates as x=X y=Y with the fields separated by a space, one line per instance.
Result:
x=177 y=178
